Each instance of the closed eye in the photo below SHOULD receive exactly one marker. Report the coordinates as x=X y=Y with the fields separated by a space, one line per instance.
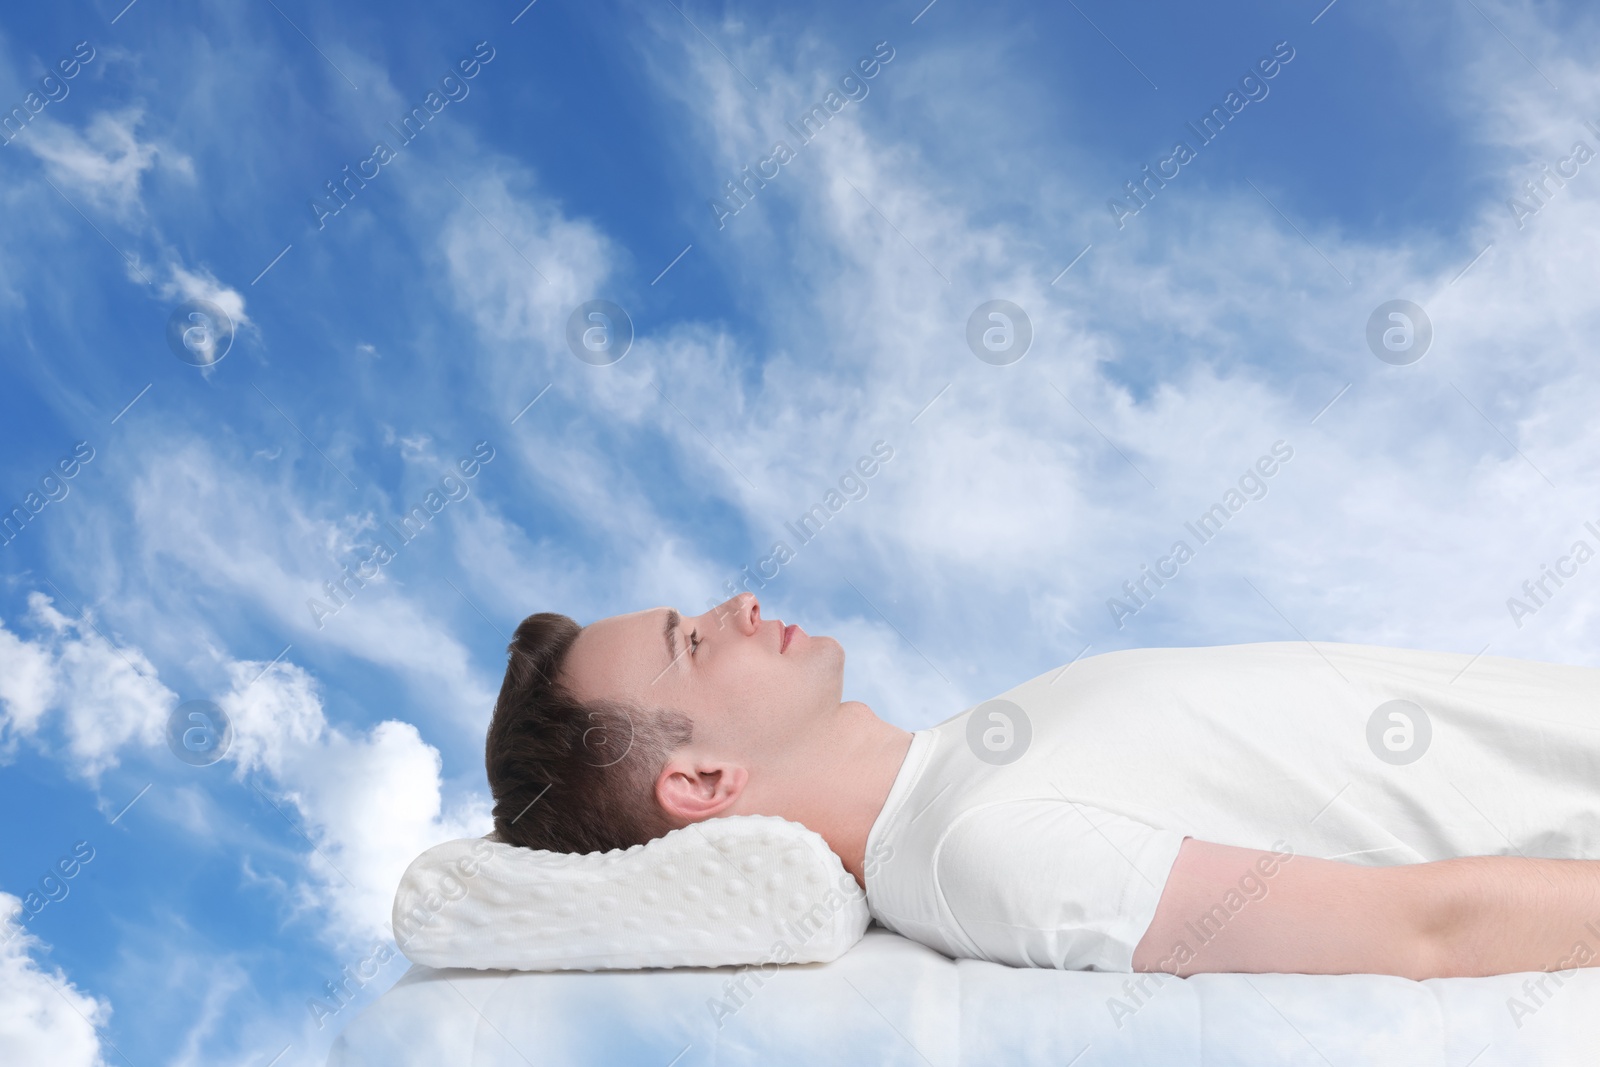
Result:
x=694 y=641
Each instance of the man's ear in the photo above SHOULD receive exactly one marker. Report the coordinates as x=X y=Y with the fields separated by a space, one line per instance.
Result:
x=690 y=789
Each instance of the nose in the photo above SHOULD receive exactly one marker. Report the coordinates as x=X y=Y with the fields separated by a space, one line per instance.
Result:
x=743 y=612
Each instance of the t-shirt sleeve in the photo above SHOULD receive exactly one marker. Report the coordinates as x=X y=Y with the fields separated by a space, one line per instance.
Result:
x=1053 y=883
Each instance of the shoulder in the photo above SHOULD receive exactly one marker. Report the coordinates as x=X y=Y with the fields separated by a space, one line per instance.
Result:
x=1051 y=833
x=1046 y=881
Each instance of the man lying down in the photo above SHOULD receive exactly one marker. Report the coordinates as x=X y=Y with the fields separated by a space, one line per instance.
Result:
x=1240 y=808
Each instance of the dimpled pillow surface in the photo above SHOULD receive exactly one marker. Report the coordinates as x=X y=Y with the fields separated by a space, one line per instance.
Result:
x=741 y=889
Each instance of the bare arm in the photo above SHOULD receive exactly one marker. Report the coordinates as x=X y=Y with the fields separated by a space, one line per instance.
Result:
x=1238 y=909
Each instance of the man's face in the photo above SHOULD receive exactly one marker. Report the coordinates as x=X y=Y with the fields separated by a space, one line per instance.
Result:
x=748 y=694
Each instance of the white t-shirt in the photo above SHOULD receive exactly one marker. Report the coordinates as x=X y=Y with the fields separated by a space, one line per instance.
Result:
x=1058 y=858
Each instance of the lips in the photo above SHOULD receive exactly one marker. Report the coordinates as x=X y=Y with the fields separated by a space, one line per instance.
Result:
x=788 y=635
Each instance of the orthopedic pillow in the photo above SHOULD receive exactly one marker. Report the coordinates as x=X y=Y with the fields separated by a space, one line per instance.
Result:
x=743 y=889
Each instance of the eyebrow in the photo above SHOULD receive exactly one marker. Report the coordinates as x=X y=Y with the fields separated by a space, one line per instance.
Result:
x=669 y=633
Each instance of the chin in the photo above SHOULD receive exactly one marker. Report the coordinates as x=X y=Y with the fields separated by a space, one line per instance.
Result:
x=831 y=648
x=833 y=657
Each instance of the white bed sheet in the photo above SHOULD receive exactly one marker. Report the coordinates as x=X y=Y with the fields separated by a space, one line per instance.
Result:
x=891 y=1001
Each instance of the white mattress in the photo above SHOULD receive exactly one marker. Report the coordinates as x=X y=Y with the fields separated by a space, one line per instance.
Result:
x=892 y=1001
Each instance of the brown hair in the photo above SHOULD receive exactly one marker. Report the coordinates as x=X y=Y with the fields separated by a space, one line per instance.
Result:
x=570 y=776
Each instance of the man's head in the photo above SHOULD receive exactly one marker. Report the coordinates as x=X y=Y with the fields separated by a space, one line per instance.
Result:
x=609 y=735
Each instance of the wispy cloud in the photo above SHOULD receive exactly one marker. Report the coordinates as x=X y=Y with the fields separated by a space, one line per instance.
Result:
x=106 y=161
x=830 y=313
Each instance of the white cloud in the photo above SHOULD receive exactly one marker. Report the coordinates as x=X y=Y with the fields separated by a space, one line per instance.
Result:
x=372 y=800
x=251 y=533
x=27 y=685
x=1192 y=341
x=107 y=696
x=201 y=284
x=533 y=264
x=46 y=1018
x=105 y=162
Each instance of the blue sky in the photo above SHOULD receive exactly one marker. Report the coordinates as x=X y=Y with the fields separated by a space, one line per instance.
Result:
x=376 y=349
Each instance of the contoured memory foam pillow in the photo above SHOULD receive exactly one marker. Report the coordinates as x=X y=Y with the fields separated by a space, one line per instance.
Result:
x=742 y=889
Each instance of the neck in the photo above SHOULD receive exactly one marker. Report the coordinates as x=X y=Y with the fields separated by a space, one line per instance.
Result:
x=842 y=778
